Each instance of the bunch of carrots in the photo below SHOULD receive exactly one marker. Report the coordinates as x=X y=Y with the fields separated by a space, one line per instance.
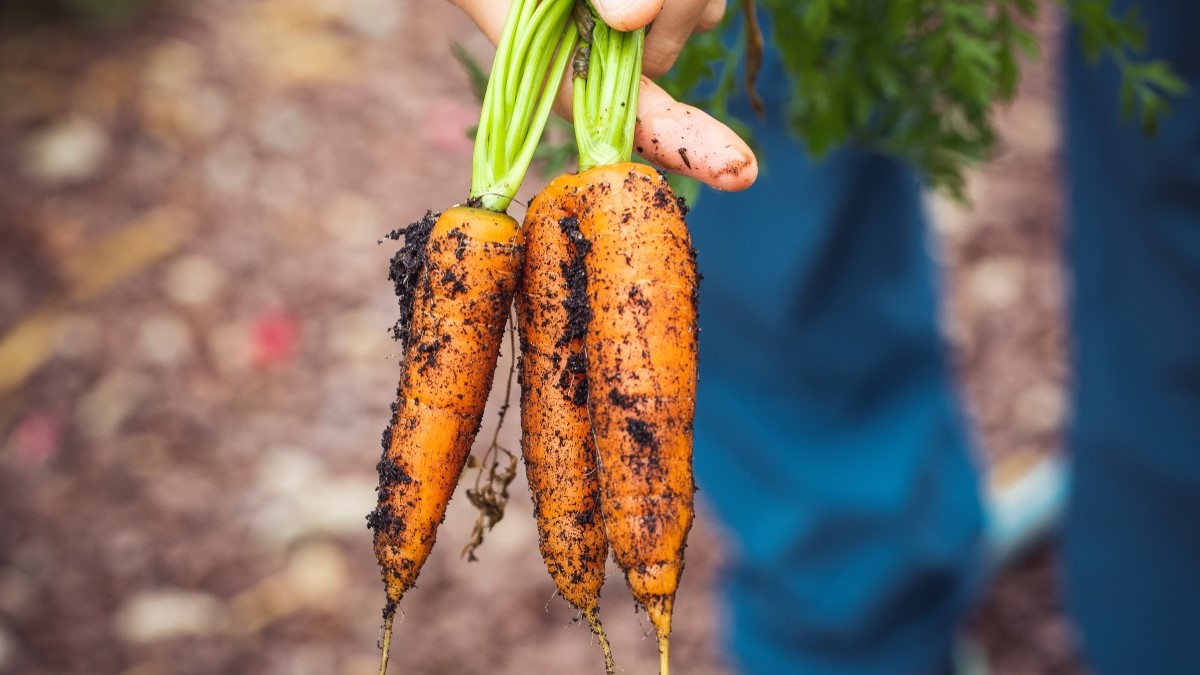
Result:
x=603 y=278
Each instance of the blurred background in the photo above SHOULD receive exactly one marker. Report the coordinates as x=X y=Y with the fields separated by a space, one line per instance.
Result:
x=195 y=364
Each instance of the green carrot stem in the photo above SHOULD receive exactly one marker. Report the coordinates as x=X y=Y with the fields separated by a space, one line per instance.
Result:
x=525 y=37
x=541 y=51
x=531 y=58
x=542 y=114
x=605 y=96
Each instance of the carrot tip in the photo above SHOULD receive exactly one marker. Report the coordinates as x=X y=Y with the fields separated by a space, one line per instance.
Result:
x=386 y=644
x=610 y=666
x=663 y=651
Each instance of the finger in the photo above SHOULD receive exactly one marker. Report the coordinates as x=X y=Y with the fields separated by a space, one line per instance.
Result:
x=683 y=139
x=671 y=29
x=489 y=16
x=628 y=15
x=688 y=141
x=711 y=17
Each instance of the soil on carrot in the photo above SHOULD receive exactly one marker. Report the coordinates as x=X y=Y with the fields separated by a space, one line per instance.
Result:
x=573 y=381
x=405 y=269
x=642 y=434
x=579 y=313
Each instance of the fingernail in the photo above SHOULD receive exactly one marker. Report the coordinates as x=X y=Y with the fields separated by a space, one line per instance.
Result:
x=627 y=14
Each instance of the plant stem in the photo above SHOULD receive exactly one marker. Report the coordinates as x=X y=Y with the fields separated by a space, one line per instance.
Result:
x=605 y=96
x=540 y=51
x=534 y=48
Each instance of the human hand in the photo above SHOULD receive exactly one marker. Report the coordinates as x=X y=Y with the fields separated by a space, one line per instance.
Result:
x=675 y=136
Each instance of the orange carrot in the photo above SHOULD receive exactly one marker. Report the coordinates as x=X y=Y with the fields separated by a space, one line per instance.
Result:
x=641 y=349
x=456 y=289
x=556 y=435
x=456 y=278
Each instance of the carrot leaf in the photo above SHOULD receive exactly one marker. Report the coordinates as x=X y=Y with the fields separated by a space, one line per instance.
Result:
x=917 y=79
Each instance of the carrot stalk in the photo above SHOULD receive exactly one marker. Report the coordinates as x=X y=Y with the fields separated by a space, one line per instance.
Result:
x=531 y=58
x=606 y=96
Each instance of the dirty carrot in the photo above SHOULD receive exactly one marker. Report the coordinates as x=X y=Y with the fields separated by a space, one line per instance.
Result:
x=641 y=347
x=634 y=266
x=641 y=339
x=556 y=434
x=456 y=275
x=466 y=274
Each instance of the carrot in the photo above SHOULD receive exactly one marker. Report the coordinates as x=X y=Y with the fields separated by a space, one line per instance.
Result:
x=641 y=339
x=459 y=305
x=641 y=345
x=456 y=277
x=556 y=436
x=456 y=291
x=614 y=235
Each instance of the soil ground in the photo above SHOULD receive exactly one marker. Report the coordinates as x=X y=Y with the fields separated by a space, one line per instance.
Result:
x=195 y=364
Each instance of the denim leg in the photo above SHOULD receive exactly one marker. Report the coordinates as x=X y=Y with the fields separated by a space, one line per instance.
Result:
x=1132 y=543
x=828 y=434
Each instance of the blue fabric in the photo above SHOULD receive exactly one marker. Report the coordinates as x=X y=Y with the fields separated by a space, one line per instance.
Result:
x=827 y=434
x=1132 y=548
x=828 y=440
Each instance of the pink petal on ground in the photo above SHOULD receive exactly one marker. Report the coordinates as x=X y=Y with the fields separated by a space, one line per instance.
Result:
x=275 y=336
x=34 y=441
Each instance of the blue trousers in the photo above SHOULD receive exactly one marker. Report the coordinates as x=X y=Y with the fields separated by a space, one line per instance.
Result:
x=1132 y=538
x=829 y=437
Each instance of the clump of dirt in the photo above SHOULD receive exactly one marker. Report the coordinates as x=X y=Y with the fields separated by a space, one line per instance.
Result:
x=623 y=401
x=579 y=314
x=642 y=433
x=681 y=202
x=573 y=379
x=406 y=266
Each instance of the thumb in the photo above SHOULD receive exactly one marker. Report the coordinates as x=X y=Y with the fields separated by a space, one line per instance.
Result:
x=627 y=15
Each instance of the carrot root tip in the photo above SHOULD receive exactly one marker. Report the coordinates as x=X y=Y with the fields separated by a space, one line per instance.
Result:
x=610 y=666
x=386 y=643
x=663 y=651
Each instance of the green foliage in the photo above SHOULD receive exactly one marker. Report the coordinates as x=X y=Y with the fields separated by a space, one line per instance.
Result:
x=533 y=54
x=917 y=79
x=556 y=147
x=476 y=75
x=1145 y=85
x=605 y=85
x=92 y=13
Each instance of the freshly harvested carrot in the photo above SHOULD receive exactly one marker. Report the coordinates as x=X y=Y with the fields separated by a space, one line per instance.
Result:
x=459 y=306
x=638 y=321
x=641 y=339
x=556 y=435
x=641 y=353
x=456 y=277
x=458 y=286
